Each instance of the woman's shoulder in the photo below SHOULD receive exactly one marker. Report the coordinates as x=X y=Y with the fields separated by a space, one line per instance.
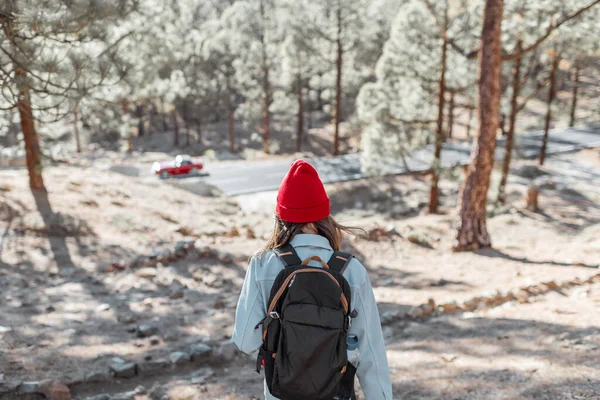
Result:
x=356 y=273
x=264 y=258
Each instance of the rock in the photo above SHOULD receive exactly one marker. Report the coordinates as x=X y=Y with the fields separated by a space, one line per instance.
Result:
x=388 y=316
x=54 y=390
x=416 y=312
x=200 y=350
x=179 y=357
x=165 y=257
x=250 y=233
x=146 y=330
x=225 y=258
x=153 y=365
x=180 y=249
x=102 y=307
x=227 y=350
x=127 y=318
x=176 y=290
x=124 y=370
x=205 y=251
x=139 y=261
x=200 y=376
x=97 y=376
x=146 y=272
x=29 y=387
x=5 y=329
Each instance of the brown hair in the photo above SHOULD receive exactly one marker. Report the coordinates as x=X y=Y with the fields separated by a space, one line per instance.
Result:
x=284 y=231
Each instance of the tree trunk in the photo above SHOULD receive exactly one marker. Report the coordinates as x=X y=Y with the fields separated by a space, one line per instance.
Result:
x=199 y=128
x=33 y=154
x=76 y=128
x=300 y=114
x=266 y=87
x=163 y=114
x=230 y=123
x=31 y=137
x=439 y=137
x=338 y=83
x=139 y=114
x=472 y=229
x=175 y=128
x=130 y=143
x=551 y=94
x=309 y=106
x=186 y=122
x=153 y=115
x=471 y=111
x=514 y=109
x=451 y=115
x=574 y=97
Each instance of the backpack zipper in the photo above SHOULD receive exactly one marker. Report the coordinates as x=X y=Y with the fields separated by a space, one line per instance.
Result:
x=292 y=282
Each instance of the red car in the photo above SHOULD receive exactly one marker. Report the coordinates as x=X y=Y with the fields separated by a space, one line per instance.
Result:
x=181 y=165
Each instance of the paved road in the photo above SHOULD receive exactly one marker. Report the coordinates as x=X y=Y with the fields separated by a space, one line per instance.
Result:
x=240 y=178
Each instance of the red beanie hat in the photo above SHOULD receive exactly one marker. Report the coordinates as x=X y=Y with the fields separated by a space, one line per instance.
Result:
x=302 y=198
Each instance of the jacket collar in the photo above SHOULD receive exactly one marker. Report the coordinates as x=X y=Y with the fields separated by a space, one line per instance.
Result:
x=306 y=239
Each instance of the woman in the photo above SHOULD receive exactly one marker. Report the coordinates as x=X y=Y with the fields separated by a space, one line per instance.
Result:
x=303 y=220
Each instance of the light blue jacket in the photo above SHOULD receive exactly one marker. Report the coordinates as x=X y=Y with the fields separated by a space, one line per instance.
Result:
x=373 y=372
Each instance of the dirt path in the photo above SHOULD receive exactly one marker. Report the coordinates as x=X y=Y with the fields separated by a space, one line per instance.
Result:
x=129 y=275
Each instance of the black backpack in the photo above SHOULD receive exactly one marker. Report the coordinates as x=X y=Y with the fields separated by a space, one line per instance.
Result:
x=304 y=332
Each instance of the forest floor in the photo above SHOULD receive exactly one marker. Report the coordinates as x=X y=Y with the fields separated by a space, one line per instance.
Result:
x=133 y=275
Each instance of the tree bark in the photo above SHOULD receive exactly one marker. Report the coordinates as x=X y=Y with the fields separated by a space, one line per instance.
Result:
x=574 y=97
x=266 y=85
x=175 y=128
x=472 y=228
x=510 y=134
x=338 y=82
x=30 y=136
x=551 y=95
x=439 y=137
x=76 y=128
x=451 y=115
x=300 y=114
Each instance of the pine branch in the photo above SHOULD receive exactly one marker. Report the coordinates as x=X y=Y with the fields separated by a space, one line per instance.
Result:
x=538 y=88
x=441 y=27
x=549 y=31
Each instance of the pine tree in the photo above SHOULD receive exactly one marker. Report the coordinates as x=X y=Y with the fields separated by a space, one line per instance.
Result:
x=48 y=57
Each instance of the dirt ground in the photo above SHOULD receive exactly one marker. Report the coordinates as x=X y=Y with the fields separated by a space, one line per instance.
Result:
x=111 y=266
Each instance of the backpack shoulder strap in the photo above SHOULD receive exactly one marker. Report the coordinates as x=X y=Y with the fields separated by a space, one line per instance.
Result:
x=288 y=255
x=339 y=261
